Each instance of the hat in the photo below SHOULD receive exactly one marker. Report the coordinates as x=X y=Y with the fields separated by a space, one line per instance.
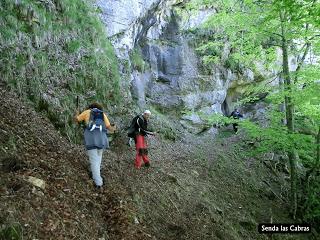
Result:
x=147 y=112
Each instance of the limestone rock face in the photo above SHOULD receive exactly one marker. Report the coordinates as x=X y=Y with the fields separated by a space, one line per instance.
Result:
x=126 y=21
x=171 y=78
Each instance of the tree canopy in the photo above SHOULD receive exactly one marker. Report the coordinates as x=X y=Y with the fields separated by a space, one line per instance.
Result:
x=278 y=39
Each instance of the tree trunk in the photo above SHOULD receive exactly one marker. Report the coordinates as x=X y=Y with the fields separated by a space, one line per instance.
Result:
x=290 y=123
x=318 y=149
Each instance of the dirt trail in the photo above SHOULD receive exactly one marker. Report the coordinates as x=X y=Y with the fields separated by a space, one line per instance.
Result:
x=198 y=188
x=69 y=207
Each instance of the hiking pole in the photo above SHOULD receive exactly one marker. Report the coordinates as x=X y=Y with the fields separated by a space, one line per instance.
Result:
x=77 y=104
x=75 y=117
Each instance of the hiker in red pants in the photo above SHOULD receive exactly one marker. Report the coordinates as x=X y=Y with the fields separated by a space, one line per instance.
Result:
x=139 y=129
x=142 y=152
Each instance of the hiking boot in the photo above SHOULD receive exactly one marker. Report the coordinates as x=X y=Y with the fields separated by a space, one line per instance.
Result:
x=147 y=164
x=99 y=188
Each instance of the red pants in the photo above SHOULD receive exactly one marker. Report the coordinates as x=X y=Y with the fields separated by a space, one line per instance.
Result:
x=141 y=148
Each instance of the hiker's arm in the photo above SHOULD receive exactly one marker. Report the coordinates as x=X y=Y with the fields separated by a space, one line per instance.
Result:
x=112 y=129
x=84 y=116
x=149 y=133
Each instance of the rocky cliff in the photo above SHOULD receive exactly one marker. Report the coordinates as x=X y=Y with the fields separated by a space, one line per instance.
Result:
x=156 y=42
x=55 y=52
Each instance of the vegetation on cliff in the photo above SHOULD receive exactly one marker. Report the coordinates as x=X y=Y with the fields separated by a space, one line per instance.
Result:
x=52 y=51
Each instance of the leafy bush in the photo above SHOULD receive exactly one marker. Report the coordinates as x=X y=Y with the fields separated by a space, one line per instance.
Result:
x=311 y=208
x=233 y=64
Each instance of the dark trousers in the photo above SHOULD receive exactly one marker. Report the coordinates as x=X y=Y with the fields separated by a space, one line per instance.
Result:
x=235 y=127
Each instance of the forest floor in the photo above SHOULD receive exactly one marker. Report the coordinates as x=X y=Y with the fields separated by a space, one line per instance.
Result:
x=202 y=188
x=198 y=187
x=69 y=207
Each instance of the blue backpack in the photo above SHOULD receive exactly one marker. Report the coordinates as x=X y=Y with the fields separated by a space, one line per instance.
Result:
x=96 y=120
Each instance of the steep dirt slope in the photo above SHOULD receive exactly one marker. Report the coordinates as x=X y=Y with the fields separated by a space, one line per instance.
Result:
x=201 y=188
x=68 y=207
x=197 y=187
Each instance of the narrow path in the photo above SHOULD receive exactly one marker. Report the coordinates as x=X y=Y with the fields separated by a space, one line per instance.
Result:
x=198 y=188
x=66 y=206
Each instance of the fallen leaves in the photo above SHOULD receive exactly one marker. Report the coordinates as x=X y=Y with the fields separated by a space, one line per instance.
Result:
x=50 y=193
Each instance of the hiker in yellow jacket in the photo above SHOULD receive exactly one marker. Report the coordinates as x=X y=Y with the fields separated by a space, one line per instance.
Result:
x=95 y=137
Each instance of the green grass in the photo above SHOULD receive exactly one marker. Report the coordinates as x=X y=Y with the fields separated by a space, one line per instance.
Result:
x=137 y=61
x=235 y=185
x=13 y=232
x=61 y=47
x=163 y=125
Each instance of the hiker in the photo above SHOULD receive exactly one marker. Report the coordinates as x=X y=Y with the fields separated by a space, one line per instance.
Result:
x=138 y=130
x=95 y=137
x=236 y=115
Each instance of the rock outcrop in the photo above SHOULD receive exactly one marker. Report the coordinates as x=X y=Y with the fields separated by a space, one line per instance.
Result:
x=171 y=78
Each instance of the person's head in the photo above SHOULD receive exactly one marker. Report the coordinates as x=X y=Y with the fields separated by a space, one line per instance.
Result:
x=146 y=114
x=96 y=105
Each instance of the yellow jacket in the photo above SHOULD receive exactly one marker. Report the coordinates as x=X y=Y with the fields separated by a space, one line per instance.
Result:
x=85 y=116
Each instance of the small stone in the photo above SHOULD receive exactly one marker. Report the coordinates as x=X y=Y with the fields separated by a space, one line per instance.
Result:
x=37 y=182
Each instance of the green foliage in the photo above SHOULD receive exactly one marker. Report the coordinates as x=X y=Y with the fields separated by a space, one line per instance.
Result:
x=254 y=31
x=163 y=126
x=208 y=47
x=312 y=201
x=216 y=119
x=187 y=112
x=137 y=61
x=13 y=232
x=232 y=63
x=73 y=46
x=248 y=33
x=58 y=49
x=168 y=133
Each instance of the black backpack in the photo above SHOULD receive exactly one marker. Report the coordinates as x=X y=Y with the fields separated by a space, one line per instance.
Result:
x=132 y=129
